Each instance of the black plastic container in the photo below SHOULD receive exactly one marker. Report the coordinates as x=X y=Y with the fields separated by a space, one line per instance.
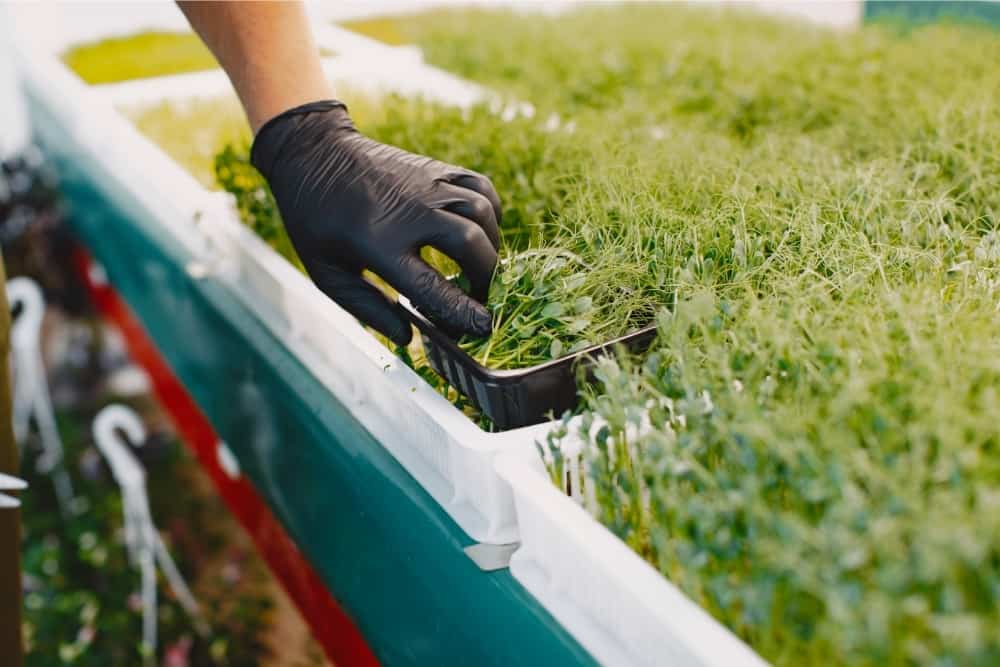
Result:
x=518 y=397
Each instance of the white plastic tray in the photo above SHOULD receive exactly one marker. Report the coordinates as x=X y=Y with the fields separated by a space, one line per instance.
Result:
x=616 y=605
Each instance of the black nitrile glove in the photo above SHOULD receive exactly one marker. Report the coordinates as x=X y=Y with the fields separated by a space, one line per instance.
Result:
x=350 y=203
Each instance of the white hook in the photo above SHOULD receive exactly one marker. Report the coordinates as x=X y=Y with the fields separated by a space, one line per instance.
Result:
x=31 y=397
x=138 y=524
x=26 y=293
x=144 y=544
x=25 y=328
x=124 y=466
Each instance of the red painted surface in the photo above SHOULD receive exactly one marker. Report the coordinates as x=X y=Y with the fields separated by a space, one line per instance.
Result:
x=331 y=626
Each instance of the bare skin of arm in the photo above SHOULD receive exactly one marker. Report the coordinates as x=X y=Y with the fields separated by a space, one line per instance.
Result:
x=267 y=49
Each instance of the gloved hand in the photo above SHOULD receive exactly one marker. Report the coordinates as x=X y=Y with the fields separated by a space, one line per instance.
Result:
x=350 y=203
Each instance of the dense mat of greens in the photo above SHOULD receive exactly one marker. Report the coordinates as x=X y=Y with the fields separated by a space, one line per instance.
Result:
x=652 y=118
x=821 y=475
x=820 y=466
x=139 y=56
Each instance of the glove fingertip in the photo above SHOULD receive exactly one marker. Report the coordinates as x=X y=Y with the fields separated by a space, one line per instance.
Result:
x=391 y=322
x=465 y=315
x=481 y=321
x=400 y=334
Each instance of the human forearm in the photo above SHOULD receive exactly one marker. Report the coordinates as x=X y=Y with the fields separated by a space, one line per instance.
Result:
x=267 y=50
x=349 y=203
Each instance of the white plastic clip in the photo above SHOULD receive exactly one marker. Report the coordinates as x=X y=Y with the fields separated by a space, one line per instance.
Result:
x=8 y=483
x=143 y=541
x=31 y=387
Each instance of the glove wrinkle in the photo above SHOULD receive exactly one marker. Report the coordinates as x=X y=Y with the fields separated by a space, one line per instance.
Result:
x=263 y=158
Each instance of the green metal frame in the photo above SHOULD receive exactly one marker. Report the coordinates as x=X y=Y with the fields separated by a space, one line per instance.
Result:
x=384 y=548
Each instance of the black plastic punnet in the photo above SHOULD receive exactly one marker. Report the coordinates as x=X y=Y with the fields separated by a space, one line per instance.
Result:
x=518 y=397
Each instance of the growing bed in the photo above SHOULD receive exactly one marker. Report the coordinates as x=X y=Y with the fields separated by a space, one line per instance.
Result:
x=808 y=451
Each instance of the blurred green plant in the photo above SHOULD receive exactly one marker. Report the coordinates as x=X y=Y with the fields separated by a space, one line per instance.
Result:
x=194 y=131
x=386 y=29
x=139 y=56
x=236 y=175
